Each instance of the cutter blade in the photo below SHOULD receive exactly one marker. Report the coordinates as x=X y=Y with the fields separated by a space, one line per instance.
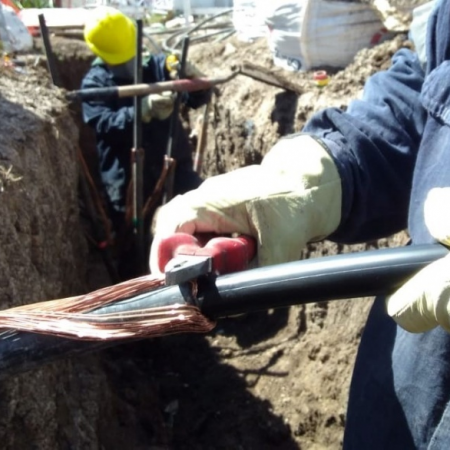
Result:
x=185 y=268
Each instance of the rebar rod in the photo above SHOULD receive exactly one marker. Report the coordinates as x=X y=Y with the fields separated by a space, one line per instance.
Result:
x=137 y=159
x=174 y=124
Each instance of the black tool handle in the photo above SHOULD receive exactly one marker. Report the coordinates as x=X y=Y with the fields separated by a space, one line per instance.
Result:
x=345 y=276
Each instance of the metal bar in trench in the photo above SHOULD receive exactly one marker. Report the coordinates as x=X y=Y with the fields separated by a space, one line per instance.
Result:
x=138 y=159
x=51 y=63
x=174 y=123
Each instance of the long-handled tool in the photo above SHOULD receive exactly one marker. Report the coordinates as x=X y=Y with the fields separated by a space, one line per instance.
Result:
x=186 y=85
x=258 y=73
x=193 y=306
x=267 y=76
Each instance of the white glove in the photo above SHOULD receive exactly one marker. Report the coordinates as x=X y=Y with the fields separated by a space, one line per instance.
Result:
x=292 y=198
x=423 y=302
x=157 y=106
x=192 y=71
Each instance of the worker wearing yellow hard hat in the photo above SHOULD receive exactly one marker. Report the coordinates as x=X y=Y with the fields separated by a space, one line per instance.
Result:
x=111 y=36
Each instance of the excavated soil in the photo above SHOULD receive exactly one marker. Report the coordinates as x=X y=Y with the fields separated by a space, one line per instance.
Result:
x=271 y=380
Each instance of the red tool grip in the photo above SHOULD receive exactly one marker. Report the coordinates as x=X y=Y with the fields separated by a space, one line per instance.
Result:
x=228 y=254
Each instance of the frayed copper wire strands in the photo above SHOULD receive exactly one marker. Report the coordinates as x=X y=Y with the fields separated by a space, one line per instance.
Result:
x=70 y=317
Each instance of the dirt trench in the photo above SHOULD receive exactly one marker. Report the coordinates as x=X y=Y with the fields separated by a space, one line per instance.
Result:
x=270 y=380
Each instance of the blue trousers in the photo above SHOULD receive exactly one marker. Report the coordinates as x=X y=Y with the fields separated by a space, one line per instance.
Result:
x=400 y=391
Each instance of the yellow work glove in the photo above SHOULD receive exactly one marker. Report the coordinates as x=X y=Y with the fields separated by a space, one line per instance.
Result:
x=291 y=198
x=423 y=302
x=157 y=106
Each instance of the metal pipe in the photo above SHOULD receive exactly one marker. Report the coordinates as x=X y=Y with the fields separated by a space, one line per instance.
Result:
x=212 y=34
x=174 y=124
x=137 y=156
x=352 y=275
x=191 y=30
x=184 y=29
x=51 y=63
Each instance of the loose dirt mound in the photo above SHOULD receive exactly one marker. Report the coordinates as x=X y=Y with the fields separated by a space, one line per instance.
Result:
x=269 y=380
x=249 y=116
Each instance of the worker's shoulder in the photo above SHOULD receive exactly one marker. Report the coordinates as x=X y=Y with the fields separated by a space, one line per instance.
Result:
x=154 y=61
x=97 y=74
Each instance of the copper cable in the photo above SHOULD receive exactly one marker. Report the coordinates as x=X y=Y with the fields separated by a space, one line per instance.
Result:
x=152 y=201
x=70 y=317
x=95 y=196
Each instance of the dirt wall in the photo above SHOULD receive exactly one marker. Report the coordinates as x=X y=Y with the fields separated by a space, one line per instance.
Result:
x=44 y=255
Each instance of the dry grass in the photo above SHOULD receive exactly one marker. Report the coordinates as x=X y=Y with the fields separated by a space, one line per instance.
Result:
x=7 y=177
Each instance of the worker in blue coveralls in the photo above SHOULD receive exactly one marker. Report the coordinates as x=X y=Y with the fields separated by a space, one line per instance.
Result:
x=111 y=36
x=379 y=167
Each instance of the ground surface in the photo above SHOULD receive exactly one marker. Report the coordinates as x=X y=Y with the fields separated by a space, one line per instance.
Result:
x=271 y=380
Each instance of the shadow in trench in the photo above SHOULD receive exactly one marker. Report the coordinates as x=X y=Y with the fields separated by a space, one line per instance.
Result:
x=284 y=112
x=182 y=396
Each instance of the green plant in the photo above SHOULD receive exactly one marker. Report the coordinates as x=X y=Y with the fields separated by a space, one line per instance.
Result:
x=21 y=4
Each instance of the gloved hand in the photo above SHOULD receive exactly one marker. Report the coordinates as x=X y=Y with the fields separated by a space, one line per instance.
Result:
x=192 y=71
x=292 y=198
x=423 y=302
x=173 y=66
x=157 y=106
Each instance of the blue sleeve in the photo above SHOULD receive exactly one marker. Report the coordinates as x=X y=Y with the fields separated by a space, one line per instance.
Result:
x=374 y=144
x=154 y=69
x=102 y=115
x=107 y=117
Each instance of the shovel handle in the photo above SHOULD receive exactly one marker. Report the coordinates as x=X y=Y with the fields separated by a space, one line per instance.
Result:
x=229 y=254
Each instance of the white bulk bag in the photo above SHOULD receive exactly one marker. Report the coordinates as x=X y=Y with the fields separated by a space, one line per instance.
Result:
x=4 y=39
x=249 y=18
x=307 y=34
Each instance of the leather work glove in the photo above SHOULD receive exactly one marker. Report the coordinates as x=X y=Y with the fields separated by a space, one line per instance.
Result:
x=291 y=198
x=192 y=71
x=157 y=106
x=173 y=66
x=423 y=302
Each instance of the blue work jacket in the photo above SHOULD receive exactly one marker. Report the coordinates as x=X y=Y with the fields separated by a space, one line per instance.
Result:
x=391 y=147
x=113 y=120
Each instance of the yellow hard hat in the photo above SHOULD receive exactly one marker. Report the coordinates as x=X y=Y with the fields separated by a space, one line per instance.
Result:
x=111 y=35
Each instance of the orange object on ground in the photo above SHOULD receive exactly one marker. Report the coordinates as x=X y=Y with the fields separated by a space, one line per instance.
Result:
x=321 y=78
